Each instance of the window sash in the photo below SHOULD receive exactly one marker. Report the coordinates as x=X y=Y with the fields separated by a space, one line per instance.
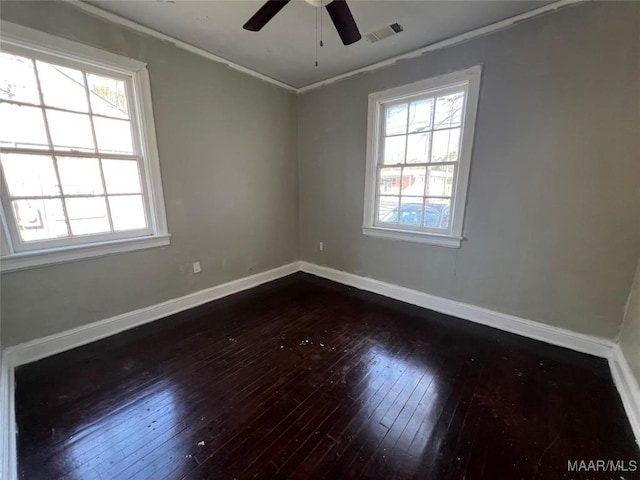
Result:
x=75 y=239
x=58 y=109
x=20 y=246
x=401 y=226
x=426 y=94
x=134 y=113
x=381 y=115
x=467 y=80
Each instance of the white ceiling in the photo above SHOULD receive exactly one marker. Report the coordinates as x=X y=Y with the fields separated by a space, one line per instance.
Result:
x=285 y=48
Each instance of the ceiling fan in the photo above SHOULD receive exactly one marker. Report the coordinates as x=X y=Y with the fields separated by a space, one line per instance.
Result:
x=338 y=11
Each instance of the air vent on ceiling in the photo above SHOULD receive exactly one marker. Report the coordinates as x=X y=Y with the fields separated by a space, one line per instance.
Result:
x=385 y=32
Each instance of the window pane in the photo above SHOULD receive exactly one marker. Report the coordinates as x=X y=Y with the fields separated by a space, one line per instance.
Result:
x=413 y=181
x=394 y=149
x=127 y=212
x=121 y=176
x=445 y=145
x=87 y=215
x=440 y=180
x=388 y=209
x=418 y=148
x=390 y=181
x=113 y=135
x=108 y=96
x=70 y=131
x=22 y=127
x=18 y=79
x=62 y=87
x=40 y=219
x=420 y=113
x=396 y=120
x=449 y=110
x=30 y=175
x=436 y=213
x=411 y=211
x=80 y=176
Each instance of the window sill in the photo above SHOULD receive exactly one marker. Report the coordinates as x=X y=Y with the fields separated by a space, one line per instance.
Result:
x=39 y=258
x=411 y=236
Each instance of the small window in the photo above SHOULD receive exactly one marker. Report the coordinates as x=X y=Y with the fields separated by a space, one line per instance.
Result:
x=418 y=157
x=78 y=160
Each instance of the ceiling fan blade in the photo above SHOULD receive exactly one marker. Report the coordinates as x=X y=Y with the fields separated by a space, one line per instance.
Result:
x=265 y=14
x=344 y=22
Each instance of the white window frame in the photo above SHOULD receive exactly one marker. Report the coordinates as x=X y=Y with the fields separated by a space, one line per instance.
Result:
x=32 y=43
x=467 y=80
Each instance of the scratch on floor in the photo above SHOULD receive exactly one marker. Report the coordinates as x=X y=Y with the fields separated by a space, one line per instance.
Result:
x=544 y=452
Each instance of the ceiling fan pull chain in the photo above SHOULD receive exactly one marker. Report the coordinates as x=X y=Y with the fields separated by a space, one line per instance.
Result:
x=320 y=10
x=316 y=37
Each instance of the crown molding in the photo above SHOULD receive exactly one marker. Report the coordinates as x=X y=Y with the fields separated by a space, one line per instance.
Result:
x=448 y=42
x=112 y=17
x=478 y=32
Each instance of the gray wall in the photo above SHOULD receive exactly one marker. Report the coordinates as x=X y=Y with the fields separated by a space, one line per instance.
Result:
x=554 y=198
x=630 y=331
x=228 y=155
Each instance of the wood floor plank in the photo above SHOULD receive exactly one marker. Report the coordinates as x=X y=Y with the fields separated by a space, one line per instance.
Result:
x=303 y=378
x=306 y=384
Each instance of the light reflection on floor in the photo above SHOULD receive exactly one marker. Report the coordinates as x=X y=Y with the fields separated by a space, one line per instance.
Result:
x=399 y=403
x=151 y=421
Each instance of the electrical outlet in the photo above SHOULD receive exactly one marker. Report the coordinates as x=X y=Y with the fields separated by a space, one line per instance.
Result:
x=321 y=246
x=196 y=267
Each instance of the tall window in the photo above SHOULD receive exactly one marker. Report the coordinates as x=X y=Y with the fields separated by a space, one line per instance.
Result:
x=77 y=163
x=418 y=158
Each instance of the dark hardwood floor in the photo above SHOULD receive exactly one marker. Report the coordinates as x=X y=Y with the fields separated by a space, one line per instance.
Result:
x=304 y=378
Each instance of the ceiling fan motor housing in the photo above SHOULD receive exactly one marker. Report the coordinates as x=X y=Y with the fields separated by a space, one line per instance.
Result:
x=318 y=3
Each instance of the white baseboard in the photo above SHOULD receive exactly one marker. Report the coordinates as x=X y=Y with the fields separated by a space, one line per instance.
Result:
x=44 y=347
x=52 y=344
x=623 y=378
x=597 y=346
x=628 y=388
